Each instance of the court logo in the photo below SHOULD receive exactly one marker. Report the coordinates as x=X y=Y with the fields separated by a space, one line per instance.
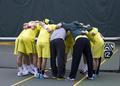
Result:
x=108 y=49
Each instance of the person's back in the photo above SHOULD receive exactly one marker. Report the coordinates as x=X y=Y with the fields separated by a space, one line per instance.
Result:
x=30 y=32
x=58 y=33
x=82 y=45
x=97 y=47
x=44 y=35
x=57 y=47
x=25 y=45
x=43 y=47
x=75 y=28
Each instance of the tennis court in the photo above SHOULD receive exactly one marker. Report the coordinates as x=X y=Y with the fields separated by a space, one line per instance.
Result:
x=109 y=74
x=103 y=14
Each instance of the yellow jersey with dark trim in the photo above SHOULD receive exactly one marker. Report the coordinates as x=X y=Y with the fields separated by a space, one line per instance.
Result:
x=44 y=35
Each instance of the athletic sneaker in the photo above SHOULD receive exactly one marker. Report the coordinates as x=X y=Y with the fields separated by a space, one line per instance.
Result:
x=94 y=75
x=45 y=76
x=71 y=79
x=35 y=70
x=25 y=72
x=19 y=73
x=60 y=78
x=41 y=76
x=20 y=69
x=54 y=77
x=31 y=71
x=91 y=78
x=36 y=75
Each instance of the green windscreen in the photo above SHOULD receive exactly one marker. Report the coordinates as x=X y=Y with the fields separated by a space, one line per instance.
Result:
x=103 y=14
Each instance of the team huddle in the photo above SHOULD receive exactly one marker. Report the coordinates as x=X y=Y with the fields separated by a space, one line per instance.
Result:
x=54 y=41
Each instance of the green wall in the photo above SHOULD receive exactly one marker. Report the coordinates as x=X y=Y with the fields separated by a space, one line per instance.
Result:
x=104 y=14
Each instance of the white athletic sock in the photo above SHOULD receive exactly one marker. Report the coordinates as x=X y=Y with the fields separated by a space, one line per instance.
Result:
x=28 y=67
x=20 y=68
x=35 y=69
x=24 y=67
x=32 y=66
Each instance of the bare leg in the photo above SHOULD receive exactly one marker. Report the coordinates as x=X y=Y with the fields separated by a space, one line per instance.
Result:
x=44 y=67
x=34 y=66
x=39 y=64
x=25 y=63
x=94 y=65
x=31 y=58
x=35 y=58
x=19 y=59
x=19 y=63
x=98 y=68
x=44 y=63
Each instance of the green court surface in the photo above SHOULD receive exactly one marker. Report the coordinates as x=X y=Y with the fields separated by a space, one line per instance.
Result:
x=8 y=72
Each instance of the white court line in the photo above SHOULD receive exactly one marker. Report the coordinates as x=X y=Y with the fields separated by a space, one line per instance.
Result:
x=69 y=59
x=31 y=77
x=78 y=83
x=24 y=80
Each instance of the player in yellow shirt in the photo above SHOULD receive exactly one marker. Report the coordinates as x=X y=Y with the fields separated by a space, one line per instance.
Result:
x=69 y=42
x=25 y=45
x=43 y=48
x=97 y=46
